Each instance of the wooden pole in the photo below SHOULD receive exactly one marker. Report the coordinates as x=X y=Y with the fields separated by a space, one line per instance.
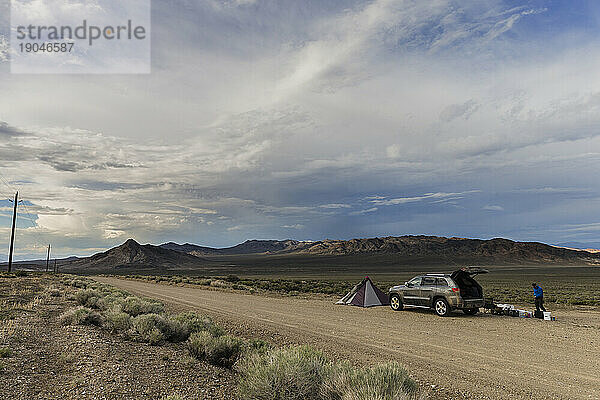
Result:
x=48 y=258
x=12 y=233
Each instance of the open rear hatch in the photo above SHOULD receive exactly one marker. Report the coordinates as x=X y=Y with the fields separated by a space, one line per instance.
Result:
x=469 y=288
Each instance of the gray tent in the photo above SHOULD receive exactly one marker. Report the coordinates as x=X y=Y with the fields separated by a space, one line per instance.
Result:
x=365 y=294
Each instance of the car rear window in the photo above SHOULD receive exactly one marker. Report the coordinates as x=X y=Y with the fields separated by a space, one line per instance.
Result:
x=441 y=282
x=428 y=281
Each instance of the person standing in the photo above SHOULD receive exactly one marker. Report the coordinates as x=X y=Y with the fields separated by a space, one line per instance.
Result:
x=538 y=293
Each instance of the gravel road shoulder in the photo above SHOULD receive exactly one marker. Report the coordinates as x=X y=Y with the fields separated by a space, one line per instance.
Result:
x=49 y=361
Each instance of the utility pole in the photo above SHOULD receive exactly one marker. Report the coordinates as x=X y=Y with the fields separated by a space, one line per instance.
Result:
x=48 y=258
x=12 y=234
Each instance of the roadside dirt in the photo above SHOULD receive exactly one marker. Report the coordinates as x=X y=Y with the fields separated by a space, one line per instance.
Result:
x=50 y=361
x=473 y=357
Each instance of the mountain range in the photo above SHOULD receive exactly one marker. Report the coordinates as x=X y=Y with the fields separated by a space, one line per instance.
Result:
x=446 y=249
x=403 y=250
x=248 y=247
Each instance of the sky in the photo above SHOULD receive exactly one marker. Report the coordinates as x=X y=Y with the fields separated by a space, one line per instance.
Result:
x=312 y=120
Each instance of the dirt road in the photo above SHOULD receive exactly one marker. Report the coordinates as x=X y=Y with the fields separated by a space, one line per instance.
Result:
x=483 y=356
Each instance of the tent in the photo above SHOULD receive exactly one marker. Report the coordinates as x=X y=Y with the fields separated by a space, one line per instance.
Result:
x=365 y=294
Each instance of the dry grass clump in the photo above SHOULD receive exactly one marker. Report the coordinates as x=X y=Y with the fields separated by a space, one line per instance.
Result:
x=77 y=282
x=198 y=323
x=81 y=316
x=383 y=382
x=88 y=298
x=223 y=350
x=293 y=373
x=156 y=328
x=116 y=320
x=296 y=373
x=135 y=306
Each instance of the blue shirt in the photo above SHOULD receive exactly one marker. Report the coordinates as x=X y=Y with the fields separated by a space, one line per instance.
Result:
x=538 y=292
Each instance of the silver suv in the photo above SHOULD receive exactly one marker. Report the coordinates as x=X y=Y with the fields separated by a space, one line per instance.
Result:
x=441 y=292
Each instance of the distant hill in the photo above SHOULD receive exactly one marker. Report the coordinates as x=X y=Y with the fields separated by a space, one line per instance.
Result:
x=248 y=247
x=593 y=247
x=433 y=249
x=133 y=255
x=42 y=263
x=390 y=253
x=495 y=251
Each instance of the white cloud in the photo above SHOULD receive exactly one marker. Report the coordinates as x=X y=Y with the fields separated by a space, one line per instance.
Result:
x=393 y=151
x=365 y=211
x=68 y=225
x=437 y=197
x=493 y=208
x=335 y=205
x=113 y=234
x=294 y=226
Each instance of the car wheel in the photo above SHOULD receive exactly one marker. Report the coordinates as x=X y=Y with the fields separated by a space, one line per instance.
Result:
x=441 y=307
x=470 y=311
x=396 y=303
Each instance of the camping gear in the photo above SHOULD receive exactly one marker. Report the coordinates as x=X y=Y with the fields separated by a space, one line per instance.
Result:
x=506 y=306
x=547 y=316
x=488 y=303
x=538 y=314
x=365 y=294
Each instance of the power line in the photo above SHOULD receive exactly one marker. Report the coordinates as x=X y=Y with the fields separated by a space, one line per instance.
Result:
x=8 y=186
x=36 y=230
x=11 y=187
x=4 y=194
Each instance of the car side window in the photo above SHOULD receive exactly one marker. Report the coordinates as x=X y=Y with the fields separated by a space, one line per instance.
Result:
x=441 y=282
x=428 y=281
x=414 y=282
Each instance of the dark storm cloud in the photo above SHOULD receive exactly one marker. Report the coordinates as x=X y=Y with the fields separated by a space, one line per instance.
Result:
x=60 y=162
x=454 y=111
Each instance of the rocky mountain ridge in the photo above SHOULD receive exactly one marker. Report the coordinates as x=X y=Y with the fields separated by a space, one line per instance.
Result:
x=445 y=249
